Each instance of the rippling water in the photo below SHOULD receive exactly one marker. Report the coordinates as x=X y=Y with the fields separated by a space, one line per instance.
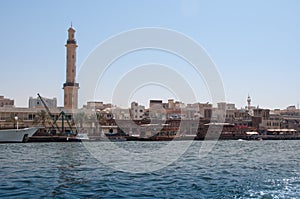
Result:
x=234 y=169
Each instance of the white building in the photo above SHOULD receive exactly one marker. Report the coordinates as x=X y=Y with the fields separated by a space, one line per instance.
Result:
x=37 y=103
x=137 y=111
x=120 y=113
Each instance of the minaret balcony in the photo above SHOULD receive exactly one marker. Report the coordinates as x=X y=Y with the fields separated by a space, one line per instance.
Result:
x=71 y=41
x=71 y=84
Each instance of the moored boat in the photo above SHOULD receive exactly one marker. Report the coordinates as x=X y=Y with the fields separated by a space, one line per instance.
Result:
x=16 y=135
x=82 y=136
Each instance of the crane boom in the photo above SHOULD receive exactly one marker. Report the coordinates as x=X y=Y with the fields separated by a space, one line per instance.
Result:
x=46 y=107
x=54 y=123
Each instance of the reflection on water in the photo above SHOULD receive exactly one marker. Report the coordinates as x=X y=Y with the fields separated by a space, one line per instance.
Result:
x=67 y=166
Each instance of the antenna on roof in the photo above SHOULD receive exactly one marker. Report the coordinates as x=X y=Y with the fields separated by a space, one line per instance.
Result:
x=71 y=24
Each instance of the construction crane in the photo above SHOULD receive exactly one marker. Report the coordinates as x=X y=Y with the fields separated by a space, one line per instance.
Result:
x=54 y=119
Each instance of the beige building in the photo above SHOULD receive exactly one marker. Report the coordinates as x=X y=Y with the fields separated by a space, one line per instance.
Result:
x=37 y=102
x=96 y=106
x=30 y=117
x=4 y=102
x=273 y=122
x=71 y=87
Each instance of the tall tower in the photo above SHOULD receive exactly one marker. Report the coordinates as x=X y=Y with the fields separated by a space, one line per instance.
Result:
x=71 y=87
x=249 y=102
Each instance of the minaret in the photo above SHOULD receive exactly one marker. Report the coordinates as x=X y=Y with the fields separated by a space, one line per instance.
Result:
x=249 y=102
x=71 y=87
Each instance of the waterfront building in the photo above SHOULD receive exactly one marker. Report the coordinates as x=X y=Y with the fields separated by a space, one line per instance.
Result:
x=169 y=110
x=230 y=115
x=37 y=103
x=207 y=114
x=205 y=110
x=219 y=113
x=178 y=110
x=28 y=117
x=70 y=86
x=120 y=113
x=157 y=110
x=260 y=115
x=179 y=105
x=137 y=111
x=155 y=103
x=175 y=114
x=107 y=114
x=263 y=113
x=291 y=123
x=5 y=102
x=273 y=122
x=290 y=111
x=291 y=108
x=242 y=117
x=221 y=106
x=171 y=104
x=196 y=110
x=230 y=106
x=226 y=106
x=96 y=106
x=291 y=118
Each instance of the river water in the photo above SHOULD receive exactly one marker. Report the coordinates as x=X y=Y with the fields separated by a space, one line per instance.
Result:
x=233 y=169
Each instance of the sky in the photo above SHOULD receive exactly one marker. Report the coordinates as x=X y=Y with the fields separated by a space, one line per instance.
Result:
x=255 y=46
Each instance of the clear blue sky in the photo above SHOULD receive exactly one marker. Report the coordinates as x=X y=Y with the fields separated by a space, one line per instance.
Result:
x=255 y=44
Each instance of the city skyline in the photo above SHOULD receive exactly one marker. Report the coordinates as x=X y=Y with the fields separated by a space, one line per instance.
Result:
x=255 y=48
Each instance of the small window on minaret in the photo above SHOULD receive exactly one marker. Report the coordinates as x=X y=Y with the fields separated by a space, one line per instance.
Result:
x=73 y=56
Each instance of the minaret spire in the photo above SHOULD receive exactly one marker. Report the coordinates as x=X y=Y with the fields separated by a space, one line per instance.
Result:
x=71 y=87
x=249 y=102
